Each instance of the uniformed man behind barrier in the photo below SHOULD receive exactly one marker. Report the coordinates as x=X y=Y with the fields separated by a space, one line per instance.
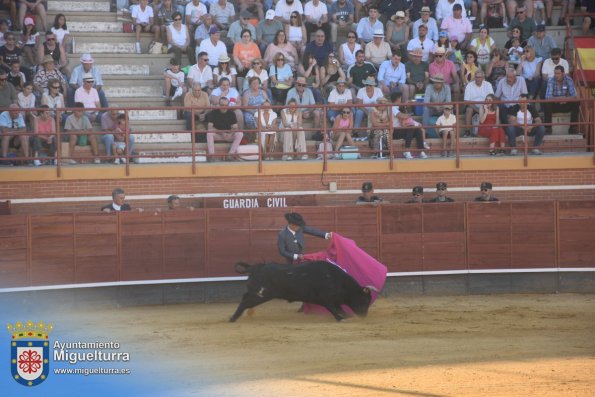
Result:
x=368 y=196
x=441 y=196
x=290 y=241
x=486 y=193
x=417 y=195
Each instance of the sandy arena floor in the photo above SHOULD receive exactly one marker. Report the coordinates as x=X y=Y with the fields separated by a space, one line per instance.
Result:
x=497 y=345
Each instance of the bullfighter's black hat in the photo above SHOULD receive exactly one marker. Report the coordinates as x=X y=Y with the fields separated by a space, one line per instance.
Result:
x=294 y=218
x=418 y=190
x=485 y=185
x=441 y=185
x=367 y=187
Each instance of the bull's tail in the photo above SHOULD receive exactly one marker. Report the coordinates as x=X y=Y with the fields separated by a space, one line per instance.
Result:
x=243 y=268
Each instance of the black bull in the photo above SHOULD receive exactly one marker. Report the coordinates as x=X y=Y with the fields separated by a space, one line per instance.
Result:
x=317 y=282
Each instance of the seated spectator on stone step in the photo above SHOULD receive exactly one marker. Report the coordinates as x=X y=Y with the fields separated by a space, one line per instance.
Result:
x=267 y=32
x=304 y=96
x=45 y=73
x=56 y=51
x=220 y=123
x=237 y=28
x=201 y=73
x=226 y=90
x=118 y=202
x=223 y=13
x=143 y=21
x=78 y=131
x=369 y=95
x=523 y=20
x=320 y=48
x=521 y=115
x=368 y=25
x=446 y=68
x=16 y=77
x=310 y=70
x=339 y=97
x=278 y=45
x=255 y=7
x=76 y=79
x=360 y=71
x=8 y=94
x=26 y=100
x=541 y=42
x=294 y=139
x=316 y=17
x=44 y=130
x=61 y=31
x=164 y=15
x=198 y=100
x=285 y=9
x=119 y=144
x=530 y=69
x=202 y=31
x=224 y=69
x=392 y=76
x=418 y=75
x=10 y=53
x=54 y=99
x=253 y=96
x=435 y=93
x=178 y=39
x=4 y=28
x=89 y=97
x=378 y=50
x=13 y=122
x=29 y=41
x=244 y=52
x=109 y=124
x=213 y=46
x=548 y=66
x=194 y=12
x=31 y=7
x=509 y=89
x=476 y=90
x=561 y=87
x=173 y=82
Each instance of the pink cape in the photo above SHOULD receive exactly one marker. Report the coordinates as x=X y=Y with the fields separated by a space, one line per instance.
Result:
x=345 y=253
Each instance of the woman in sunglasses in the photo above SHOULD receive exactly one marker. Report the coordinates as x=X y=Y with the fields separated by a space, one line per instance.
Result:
x=257 y=70
x=244 y=52
x=296 y=32
x=178 y=38
x=281 y=45
x=348 y=49
x=342 y=130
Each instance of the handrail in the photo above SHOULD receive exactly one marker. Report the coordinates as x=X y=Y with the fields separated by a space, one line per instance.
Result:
x=391 y=150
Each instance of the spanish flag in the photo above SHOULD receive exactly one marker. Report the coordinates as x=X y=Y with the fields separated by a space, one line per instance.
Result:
x=585 y=46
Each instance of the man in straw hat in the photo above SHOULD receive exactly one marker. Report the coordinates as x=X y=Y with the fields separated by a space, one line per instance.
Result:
x=378 y=50
x=426 y=19
x=45 y=73
x=87 y=66
x=418 y=75
x=437 y=92
x=291 y=242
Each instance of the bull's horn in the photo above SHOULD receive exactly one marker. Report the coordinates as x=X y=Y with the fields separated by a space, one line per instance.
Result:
x=372 y=288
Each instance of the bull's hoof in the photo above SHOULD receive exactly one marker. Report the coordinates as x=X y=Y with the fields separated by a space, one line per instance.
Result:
x=232 y=319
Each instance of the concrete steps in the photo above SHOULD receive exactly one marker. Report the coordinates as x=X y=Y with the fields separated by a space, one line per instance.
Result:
x=111 y=43
x=88 y=17
x=67 y=6
x=157 y=125
x=119 y=64
x=117 y=86
x=150 y=114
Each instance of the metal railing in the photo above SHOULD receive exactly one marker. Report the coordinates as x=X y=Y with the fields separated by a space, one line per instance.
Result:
x=392 y=152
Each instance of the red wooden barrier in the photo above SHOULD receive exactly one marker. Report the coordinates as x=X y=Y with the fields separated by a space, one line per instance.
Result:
x=87 y=248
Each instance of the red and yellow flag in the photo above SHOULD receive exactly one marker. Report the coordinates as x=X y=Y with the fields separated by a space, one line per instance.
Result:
x=585 y=46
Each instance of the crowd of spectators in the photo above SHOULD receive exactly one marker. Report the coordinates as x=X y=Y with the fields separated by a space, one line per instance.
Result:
x=258 y=53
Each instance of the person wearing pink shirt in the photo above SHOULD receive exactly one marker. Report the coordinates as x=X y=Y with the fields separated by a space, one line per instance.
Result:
x=446 y=68
x=458 y=26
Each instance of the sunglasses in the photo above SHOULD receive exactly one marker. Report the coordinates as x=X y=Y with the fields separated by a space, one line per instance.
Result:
x=55 y=87
x=351 y=37
x=224 y=63
x=345 y=112
x=177 y=19
x=417 y=195
x=300 y=85
x=520 y=12
x=369 y=85
x=280 y=59
x=294 y=16
x=484 y=190
x=438 y=56
x=48 y=39
x=255 y=63
x=205 y=59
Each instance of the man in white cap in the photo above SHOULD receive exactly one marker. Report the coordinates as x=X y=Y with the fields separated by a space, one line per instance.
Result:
x=76 y=79
x=266 y=30
x=430 y=23
x=316 y=14
x=378 y=50
x=368 y=25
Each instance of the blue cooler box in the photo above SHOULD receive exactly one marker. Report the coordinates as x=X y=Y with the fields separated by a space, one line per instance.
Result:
x=419 y=110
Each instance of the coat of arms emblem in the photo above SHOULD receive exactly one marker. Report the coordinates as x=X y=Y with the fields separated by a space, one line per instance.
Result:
x=29 y=352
